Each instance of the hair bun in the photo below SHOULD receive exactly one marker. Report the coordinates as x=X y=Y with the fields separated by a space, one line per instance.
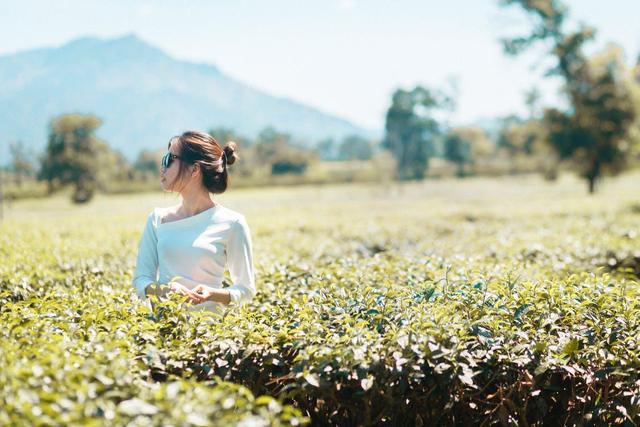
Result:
x=230 y=149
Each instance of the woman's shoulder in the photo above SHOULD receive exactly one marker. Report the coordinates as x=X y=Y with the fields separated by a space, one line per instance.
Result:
x=224 y=213
x=158 y=213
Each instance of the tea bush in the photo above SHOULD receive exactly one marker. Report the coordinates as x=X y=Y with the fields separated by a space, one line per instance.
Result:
x=495 y=301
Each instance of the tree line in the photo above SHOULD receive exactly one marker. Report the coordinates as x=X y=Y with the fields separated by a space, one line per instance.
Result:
x=76 y=157
x=597 y=134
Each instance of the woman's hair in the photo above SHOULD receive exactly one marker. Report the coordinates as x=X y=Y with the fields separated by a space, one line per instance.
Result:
x=200 y=148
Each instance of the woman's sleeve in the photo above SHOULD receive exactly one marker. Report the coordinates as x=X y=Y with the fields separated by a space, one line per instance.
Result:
x=147 y=262
x=240 y=263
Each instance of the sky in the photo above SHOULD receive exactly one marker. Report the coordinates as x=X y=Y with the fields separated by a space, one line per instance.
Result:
x=343 y=57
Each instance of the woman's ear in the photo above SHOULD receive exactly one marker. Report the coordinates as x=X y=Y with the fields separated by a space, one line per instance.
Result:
x=195 y=170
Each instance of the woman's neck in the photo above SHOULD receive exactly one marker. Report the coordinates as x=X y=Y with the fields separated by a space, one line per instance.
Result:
x=195 y=202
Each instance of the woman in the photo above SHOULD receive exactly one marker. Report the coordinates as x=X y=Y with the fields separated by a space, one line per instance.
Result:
x=196 y=239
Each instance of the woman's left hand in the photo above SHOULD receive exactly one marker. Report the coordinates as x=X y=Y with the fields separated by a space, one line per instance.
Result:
x=203 y=293
x=192 y=297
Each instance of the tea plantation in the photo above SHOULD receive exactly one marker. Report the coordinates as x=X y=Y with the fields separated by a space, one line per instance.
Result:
x=508 y=301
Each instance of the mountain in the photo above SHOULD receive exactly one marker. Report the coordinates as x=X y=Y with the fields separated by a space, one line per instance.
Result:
x=143 y=96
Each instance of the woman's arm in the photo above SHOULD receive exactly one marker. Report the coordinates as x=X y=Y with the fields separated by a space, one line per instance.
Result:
x=240 y=263
x=147 y=261
x=212 y=294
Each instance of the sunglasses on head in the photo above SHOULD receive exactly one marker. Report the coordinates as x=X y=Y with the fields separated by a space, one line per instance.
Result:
x=168 y=158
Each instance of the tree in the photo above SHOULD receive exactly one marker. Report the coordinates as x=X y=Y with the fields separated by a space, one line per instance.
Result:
x=457 y=150
x=277 y=149
x=465 y=145
x=596 y=135
x=594 y=132
x=411 y=129
x=74 y=155
x=224 y=135
x=290 y=161
x=327 y=149
x=21 y=165
x=635 y=90
x=270 y=143
x=112 y=165
x=504 y=140
x=148 y=163
x=522 y=137
x=532 y=100
x=355 y=148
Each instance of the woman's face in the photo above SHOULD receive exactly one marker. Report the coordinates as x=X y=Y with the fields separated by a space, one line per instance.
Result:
x=168 y=176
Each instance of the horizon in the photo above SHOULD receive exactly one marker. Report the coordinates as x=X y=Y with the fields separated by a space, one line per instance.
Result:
x=346 y=92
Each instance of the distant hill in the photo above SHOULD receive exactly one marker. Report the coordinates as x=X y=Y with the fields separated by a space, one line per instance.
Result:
x=143 y=96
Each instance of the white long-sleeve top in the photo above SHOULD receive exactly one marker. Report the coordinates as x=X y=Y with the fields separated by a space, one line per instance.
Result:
x=197 y=248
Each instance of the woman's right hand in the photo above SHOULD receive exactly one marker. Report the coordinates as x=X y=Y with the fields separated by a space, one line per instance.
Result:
x=180 y=288
x=161 y=290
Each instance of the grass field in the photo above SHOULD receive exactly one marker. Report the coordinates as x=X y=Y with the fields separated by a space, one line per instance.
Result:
x=508 y=301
